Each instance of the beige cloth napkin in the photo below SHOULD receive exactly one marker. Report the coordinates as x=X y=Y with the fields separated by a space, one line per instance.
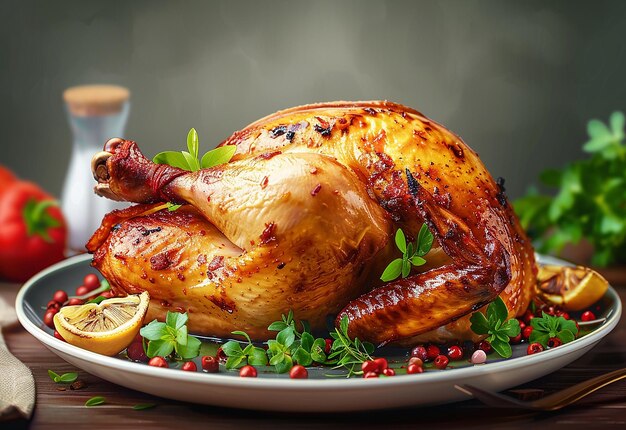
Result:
x=17 y=385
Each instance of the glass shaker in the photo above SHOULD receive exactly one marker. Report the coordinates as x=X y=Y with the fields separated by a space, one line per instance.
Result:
x=96 y=113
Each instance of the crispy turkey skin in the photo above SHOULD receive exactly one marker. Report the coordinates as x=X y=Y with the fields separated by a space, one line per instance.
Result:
x=303 y=218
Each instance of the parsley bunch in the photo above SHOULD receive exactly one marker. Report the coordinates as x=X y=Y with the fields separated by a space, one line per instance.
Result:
x=496 y=326
x=170 y=336
x=189 y=160
x=590 y=201
x=412 y=254
x=549 y=326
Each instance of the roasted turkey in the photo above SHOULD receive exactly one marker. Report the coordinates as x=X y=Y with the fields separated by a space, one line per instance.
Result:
x=303 y=218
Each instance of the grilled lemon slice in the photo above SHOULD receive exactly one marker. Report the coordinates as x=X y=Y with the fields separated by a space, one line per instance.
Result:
x=106 y=328
x=572 y=288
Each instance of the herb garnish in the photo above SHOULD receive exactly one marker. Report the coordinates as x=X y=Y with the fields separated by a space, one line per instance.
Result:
x=589 y=202
x=66 y=378
x=292 y=346
x=170 y=336
x=143 y=406
x=95 y=401
x=496 y=326
x=412 y=254
x=549 y=326
x=188 y=160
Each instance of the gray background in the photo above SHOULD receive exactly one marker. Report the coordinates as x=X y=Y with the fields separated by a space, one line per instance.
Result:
x=517 y=80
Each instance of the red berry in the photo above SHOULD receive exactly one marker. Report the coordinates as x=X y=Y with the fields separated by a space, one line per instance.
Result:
x=107 y=294
x=534 y=348
x=369 y=366
x=329 y=346
x=48 y=318
x=528 y=315
x=381 y=363
x=455 y=352
x=221 y=355
x=522 y=324
x=247 y=372
x=210 y=364
x=441 y=362
x=420 y=352
x=527 y=332
x=91 y=281
x=432 y=351
x=53 y=305
x=416 y=360
x=82 y=290
x=158 y=362
x=551 y=311
x=553 y=342
x=516 y=339
x=135 y=352
x=368 y=375
x=58 y=336
x=414 y=368
x=60 y=297
x=298 y=372
x=189 y=366
x=485 y=346
x=74 y=302
x=565 y=315
x=389 y=372
x=588 y=316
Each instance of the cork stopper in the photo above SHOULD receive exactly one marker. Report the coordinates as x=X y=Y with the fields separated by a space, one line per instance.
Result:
x=95 y=100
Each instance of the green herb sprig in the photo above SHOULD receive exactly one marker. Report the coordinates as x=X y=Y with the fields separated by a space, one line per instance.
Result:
x=552 y=326
x=292 y=346
x=495 y=325
x=590 y=199
x=66 y=378
x=95 y=401
x=170 y=336
x=189 y=160
x=412 y=254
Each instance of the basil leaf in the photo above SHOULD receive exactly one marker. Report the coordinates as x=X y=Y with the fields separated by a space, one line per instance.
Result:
x=54 y=376
x=286 y=336
x=242 y=333
x=190 y=350
x=278 y=358
x=95 y=401
x=480 y=324
x=175 y=159
x=307 y=341
x=181 y=336
x=143 y=406
x=277 y=326
x=68 y=378
x=302 y=357
x=369 y=347
x=400 y=240
x=539 y=337
x=317 y=350
x=566 y=336
x=192 y=162
x=497 y=310
x=285 y=365
x=425 y=240
x=568 y=325
x=217 y=156
x=511 y=328
x=343 y=325
x=393 y=270
x=258 y=357
x=97 y=300
x=502 y=348
x=410 y=250
x=235 y=362
x=417 y=261
x=232 y=348
x=406 y=268
x=153 y=331
x=192 y=143
x=160 y=348
x=176 y=319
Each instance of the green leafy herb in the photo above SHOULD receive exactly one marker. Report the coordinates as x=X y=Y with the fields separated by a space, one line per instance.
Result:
x=347 y=352
x=189 y=160
x=172 y=206
x=292 y=346
x=552 y=326
x=66 y=378
x=412 y=254
x=589 y=201
x=495 y=325
x=95 y=401
x=104 y=286
x=97 y=300
x=143 y=406
x=170 y=336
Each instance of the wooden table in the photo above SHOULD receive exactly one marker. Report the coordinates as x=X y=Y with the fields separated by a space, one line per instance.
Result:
x=64 y=409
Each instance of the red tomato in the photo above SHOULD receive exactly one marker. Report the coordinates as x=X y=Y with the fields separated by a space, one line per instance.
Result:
x=32 y=232
x=7 y=178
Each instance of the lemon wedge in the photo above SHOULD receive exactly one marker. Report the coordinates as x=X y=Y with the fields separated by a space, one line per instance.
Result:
x=572 y=288
x=106 y=328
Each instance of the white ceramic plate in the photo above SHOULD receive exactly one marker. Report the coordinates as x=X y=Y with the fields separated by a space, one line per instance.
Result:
x=272 y=393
